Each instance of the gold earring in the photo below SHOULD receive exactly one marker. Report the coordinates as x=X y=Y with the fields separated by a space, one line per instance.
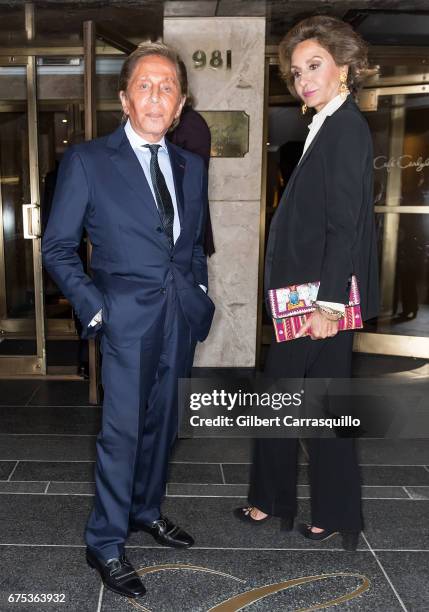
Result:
x=343 y=90
x=304 y=109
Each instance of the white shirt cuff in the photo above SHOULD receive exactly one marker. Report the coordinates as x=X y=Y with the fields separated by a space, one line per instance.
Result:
x=204 y=288
x=334 y=305
x=97 y=319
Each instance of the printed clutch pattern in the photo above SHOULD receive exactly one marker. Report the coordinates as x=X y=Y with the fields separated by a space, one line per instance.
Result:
x=291 y=306
x=293 y=300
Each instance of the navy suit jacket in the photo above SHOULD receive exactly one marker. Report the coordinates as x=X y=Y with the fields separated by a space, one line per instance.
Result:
x=102 y=187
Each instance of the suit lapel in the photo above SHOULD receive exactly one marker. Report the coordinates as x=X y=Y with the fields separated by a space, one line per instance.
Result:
x=313 y=143
x=348 y=103
x=178 y=164
x=125 y=160
x=304 y=158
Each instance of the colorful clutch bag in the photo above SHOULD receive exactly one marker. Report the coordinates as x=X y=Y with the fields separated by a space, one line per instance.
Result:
x=291 y=306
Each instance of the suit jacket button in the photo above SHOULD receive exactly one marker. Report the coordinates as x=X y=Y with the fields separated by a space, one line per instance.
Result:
x=159 y=229
x=172 y=258
x=163 y=290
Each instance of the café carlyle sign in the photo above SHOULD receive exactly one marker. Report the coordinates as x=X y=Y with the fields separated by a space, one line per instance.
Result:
x=402 y=162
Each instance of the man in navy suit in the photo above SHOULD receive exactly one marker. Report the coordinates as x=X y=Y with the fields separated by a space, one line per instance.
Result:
x=143 y=202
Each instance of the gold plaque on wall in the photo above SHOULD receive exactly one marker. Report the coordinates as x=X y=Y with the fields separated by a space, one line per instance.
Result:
x=230 y=132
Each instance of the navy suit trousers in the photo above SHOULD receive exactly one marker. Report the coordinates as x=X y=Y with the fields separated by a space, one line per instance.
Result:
x=139 y=426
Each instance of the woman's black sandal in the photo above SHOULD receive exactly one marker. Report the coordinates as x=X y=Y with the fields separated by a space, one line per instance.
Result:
x=350 y=538
x=244 y=514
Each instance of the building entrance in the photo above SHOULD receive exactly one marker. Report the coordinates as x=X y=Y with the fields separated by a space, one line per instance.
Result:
x=51 y=96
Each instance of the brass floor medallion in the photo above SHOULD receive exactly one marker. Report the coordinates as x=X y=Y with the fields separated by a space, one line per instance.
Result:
x=246 y=598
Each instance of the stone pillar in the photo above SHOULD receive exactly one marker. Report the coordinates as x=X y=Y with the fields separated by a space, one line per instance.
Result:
x=234 y=183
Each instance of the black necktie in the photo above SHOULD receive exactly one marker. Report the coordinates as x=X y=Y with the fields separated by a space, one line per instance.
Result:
x=163 y=197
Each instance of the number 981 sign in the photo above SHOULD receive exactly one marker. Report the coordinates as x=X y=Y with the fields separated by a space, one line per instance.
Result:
x=216 y=59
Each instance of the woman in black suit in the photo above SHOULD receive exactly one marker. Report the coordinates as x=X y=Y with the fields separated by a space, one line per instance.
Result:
x=323 y=230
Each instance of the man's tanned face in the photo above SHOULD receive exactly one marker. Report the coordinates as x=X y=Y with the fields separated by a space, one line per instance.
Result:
x=153 y=99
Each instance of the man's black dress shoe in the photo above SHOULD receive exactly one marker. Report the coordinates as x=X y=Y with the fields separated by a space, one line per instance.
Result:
x=350 y=538
x=118 y=575
x=165 y=532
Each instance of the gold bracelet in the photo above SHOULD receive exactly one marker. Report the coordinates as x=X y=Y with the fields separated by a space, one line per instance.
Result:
x=329 y=313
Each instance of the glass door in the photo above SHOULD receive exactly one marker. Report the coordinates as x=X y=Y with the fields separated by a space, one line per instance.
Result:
x=22 y=321
x=49 y=92
x=399 y=125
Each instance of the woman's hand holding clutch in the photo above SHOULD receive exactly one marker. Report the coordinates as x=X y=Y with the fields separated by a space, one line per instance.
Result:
x=319 y=326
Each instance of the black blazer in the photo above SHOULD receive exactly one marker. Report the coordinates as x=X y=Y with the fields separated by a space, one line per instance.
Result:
x=324 y=226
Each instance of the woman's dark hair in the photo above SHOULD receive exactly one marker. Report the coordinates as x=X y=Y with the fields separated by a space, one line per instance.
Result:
x=151 y=48
x=183 y=75
x=337 y=37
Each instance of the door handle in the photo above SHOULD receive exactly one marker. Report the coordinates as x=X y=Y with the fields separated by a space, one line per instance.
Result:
x=31 y=219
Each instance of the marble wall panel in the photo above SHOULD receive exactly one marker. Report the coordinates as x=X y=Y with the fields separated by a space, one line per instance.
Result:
x=241 y=88
x=234 y=183
x=233 y=285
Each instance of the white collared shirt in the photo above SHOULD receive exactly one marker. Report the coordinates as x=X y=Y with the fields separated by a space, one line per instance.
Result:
x=143 y=155
x=314 y=127
x=319 y=118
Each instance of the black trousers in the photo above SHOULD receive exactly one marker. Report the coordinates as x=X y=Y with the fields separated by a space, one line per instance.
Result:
x=334 y=470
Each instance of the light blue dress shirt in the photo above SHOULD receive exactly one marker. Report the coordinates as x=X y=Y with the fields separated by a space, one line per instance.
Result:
x=143 y=155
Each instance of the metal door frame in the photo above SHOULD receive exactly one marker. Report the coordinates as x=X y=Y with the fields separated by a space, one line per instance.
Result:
x=92 y=31
x=394 y=344
x=29 y=364
x=56 y=329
